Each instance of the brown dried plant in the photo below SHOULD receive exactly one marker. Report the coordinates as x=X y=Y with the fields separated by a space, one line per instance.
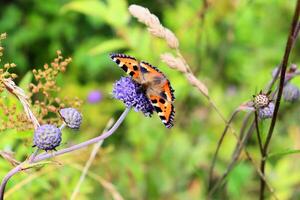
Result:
x=43 y=93
x=44 y=90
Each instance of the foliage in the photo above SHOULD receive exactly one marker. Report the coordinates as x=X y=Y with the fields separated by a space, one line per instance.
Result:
x=231 y=46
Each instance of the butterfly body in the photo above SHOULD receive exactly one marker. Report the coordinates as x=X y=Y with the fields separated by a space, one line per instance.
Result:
x=157 y=87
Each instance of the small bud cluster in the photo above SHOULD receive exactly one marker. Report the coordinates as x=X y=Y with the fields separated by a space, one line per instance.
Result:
x=291 y=93
x=48 y=136
x=264 y=105
x=71 y=117
x=46 y=89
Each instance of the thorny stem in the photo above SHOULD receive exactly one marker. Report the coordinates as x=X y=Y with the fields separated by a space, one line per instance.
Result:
x=44 y=156
x=289 y=45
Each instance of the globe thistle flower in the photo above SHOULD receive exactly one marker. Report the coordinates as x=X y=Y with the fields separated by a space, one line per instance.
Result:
x=71 y=117
x=291 y=93
x=47 y=137
x=261 y=100
x=132 y=94
x=267 y=111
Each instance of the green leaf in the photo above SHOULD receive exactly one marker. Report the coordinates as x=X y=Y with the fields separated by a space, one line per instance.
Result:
x=26 y=80
x=284 y=153
x=114 y=13
x=118 y=10
x=38 y=164
x=108 y=46
x=89 y=7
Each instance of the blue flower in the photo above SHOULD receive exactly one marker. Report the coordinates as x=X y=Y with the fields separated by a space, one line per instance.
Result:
x=133 y=95
x=47 y=137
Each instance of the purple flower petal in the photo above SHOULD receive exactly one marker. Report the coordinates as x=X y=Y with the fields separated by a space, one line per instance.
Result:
x=132 y=94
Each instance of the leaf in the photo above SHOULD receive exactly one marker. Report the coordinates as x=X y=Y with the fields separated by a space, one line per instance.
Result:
x=119 y=15
x=38 y=164
x=89 y=7
x=284 y=153
x=114 y=13
x=26 y=80
x=108 y=46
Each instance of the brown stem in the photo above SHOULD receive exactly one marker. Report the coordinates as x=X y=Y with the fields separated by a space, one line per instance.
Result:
x=258 y=133
x=212 y=166
x=291 y=38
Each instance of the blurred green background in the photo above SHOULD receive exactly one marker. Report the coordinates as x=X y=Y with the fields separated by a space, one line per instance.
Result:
x=231 y=45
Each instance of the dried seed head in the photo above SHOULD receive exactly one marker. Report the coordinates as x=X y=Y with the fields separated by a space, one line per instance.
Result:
x=173 y=62
x=261 y=100
x=153 y=24
x=171 y=39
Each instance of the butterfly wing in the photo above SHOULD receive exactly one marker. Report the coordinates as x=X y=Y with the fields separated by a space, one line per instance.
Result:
x=164 y=109
x=160 y=93
x=158 y=87
x=129 y=64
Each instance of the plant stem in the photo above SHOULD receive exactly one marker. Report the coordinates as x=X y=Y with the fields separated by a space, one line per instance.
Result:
x=212 y=166
x=291 y=38
x=43 y=156
x=258 y=133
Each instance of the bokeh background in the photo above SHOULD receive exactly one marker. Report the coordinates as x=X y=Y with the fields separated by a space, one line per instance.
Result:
x=231 y=45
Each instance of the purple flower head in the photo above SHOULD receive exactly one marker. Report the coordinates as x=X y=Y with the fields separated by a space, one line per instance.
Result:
x=47 y=137
x=71 y=117
x=94 y=96
x=132 y=94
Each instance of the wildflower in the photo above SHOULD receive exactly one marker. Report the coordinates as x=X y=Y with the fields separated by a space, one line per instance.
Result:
x=47 y=137
x=267 y=111
x=71 y=117
x=133 y=95
x=291 y=93
x=94 y=96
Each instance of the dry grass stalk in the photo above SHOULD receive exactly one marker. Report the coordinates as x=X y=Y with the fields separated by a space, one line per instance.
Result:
x=173 y=62
x=198 y=84
x=157 y=29
x=20 y=94
x=154 y=26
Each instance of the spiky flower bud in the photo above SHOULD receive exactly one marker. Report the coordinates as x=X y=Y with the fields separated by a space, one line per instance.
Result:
x=71 y=117
x=47 y=137
x=267 y=111
x=291 y=93
x=261 y=100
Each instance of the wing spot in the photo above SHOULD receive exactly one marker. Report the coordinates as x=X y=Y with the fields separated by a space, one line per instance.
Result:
x=163 y=95
x=117 y=61
x=135 y=68
x=125 y=68
x=144 y=70
x=131 y=73
x=158 y=109
x=163 y=118
x=162 y=101
x=154 y=101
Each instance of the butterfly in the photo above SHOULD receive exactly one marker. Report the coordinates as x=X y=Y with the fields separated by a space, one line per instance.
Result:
x=157 y=87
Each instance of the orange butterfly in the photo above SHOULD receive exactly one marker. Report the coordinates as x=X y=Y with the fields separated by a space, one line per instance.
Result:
x=157 y=86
